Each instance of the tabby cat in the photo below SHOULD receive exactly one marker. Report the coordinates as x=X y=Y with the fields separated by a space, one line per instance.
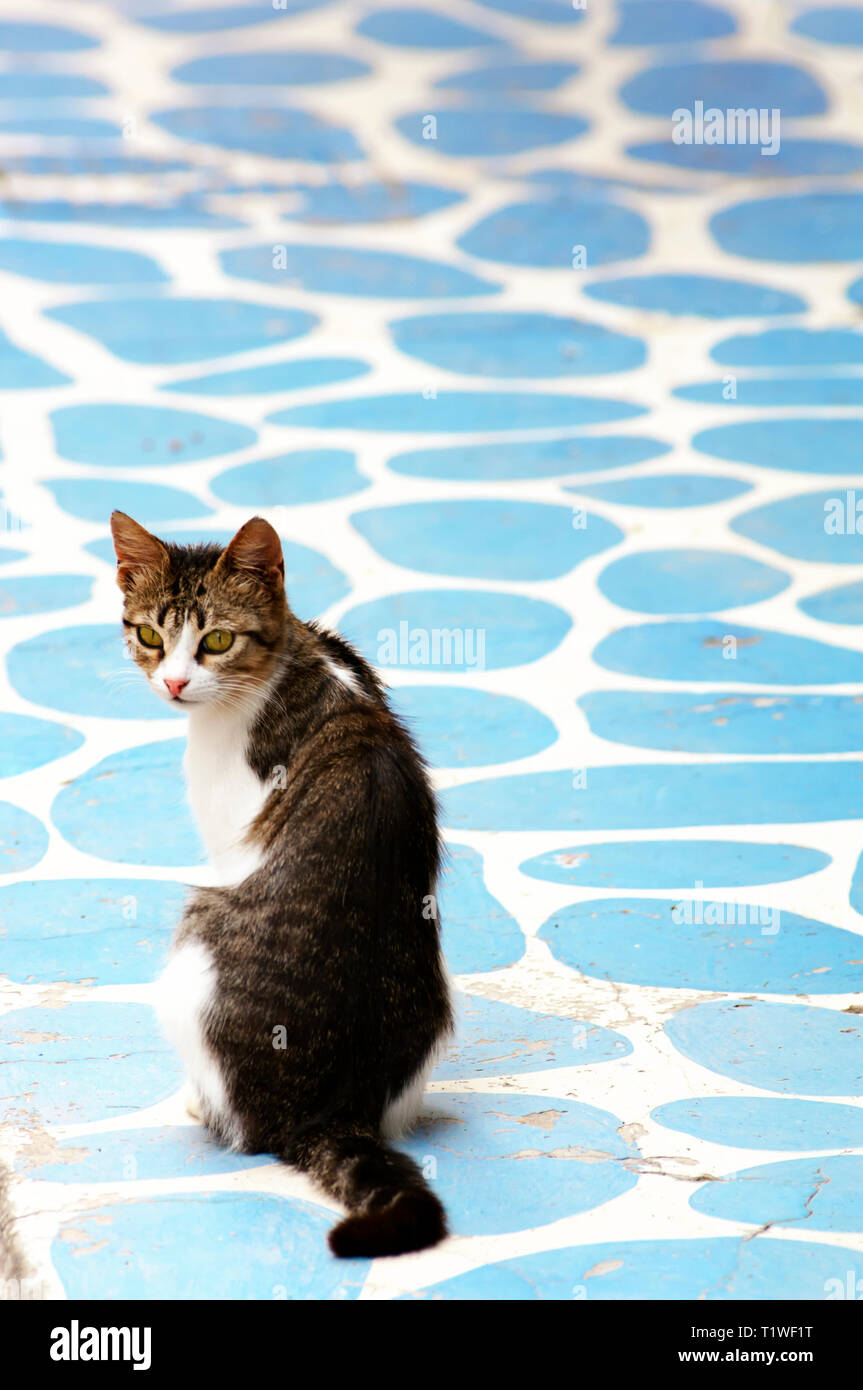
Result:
x=306 y=996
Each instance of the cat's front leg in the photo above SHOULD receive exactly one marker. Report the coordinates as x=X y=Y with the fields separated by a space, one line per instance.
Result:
x=186 y=992
x=191 y=1103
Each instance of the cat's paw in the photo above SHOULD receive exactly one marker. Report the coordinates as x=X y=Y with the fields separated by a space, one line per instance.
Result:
x=192 y=1105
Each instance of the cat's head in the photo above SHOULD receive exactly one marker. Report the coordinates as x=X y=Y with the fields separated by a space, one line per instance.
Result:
x=205 y=624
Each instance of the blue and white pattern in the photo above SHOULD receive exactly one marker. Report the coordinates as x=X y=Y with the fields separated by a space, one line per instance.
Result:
x=559 y=421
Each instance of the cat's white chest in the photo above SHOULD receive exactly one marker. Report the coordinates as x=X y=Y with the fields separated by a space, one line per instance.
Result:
x=224 y=793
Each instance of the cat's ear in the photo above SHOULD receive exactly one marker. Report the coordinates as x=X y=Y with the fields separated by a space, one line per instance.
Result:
x=255 y=550
x=136 y=549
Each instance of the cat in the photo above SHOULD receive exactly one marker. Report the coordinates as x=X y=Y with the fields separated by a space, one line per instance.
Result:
x=307 y=995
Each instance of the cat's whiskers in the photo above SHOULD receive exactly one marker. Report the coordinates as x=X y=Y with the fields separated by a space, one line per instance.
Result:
x=122 y=673
x=121 y=681
x=239 y=700
x=250 y=689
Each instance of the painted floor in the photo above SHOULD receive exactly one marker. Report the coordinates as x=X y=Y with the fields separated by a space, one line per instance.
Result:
x=560 y=422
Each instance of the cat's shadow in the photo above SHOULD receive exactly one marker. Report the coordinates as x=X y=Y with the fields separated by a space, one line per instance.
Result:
x=433 y=1125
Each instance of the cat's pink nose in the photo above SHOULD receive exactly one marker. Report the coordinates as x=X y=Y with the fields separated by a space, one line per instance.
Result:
x=174 y=687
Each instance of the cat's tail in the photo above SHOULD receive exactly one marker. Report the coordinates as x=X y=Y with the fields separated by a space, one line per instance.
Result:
x=391 y=1208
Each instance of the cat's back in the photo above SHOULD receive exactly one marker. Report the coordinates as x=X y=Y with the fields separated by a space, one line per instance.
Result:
x=356 y=785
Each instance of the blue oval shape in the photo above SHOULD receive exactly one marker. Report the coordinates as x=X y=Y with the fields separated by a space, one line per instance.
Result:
x=118 y=1061
x=541 y=458
x=792 y=347
x=100 y=931
x=856 y=896
x=67 y=127
x=768 y=157
x=484 y=538
x=516 y=345
x=191 y=1247
x=540 y=233
x=75 y=263
x=296 y=375
x=42 y=593
x=650 y=796
x=352 y=270
x=141 y=1155
x=708 y=296
x=532 y=1185
x=290 y=480
x=647 y=22
x=716 y=1270
x=789 y=1048
x=717 y=721
x=182 y=330
x=211 y=19
x=842 y=24
x=443 y=630
x=336 y=203
x=844 y=604
x=707 y=945
x=674 y=864
x=287 y=68
x=26 y=743
x=131 y=808
x=111 y=435
x=16 y=36
x=418 y=28
x=495 y=1039
x=539 y=11
x=512 y=78
x=48 y=86
x=777 y=391
x=801 y=228
x=822 y=1194
x=660 y=91
x=764 y=1122
x=457 y=726
x=451 y=412
x=825 y=526
x=492 y=132
x=23 y=839
x=93 y=499
x=81 y=670
x=688 y=581
x=24 y=371
x=855 y=292
x=727 y=653
x=477 y=932
x=77 y=162
x=665 y=490
x=187 y=210
x=277 y=132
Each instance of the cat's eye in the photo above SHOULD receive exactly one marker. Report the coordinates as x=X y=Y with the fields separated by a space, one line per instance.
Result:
x=149 y=637
x=218 y=641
